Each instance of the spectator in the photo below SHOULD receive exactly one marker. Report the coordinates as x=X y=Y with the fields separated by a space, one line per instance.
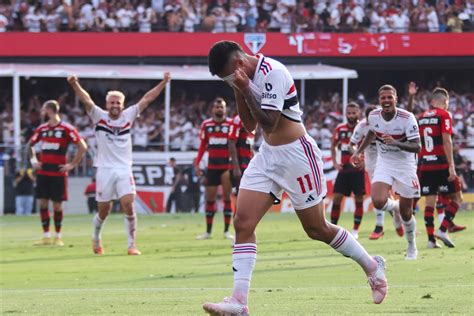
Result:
x=432 y=19
x=3 y=22
x=90 y=194
x=52 y=21
x=400 y=22
x=110 y=23
x=193 y=187
x=24 y=184
x=454 y=23
x=34 y=20
x=125 y=18
x=173 y=172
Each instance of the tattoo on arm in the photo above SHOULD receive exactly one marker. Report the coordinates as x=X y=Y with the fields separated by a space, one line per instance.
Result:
x=267 y=119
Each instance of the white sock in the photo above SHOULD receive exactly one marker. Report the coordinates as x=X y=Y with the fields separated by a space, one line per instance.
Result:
x=440 y=218
x=345 y=244
x=47 y=235
x=379 y=217
x=243 y=260
x=389 y=206
x=97 y=223
x=131 y=228
x=410 y=231
x=58 y=235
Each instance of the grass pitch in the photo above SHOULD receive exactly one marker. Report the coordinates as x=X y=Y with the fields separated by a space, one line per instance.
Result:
x=176 y=274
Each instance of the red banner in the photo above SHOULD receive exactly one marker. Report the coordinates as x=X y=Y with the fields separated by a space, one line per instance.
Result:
x=198 y=44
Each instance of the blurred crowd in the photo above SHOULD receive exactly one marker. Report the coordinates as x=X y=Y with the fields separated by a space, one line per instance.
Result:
x=285 y=16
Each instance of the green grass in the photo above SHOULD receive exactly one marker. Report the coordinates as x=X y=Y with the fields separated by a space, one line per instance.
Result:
x=176 y=274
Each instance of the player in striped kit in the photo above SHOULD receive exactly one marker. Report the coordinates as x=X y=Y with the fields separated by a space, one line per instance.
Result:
x=349 y=179
x=52 y=167
x=114 y=156
x=398 y=140
x=436 y=164
x=240 y=149
x=214 y=138
x=288 y=159
x=370 y=160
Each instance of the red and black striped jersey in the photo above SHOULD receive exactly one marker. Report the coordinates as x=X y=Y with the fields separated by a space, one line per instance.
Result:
x=54 y=143
x=433 y=123
x=214 y=138
x=342 y=136
x=243 y=141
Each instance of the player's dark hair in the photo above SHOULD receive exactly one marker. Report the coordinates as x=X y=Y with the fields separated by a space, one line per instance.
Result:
x=172 y=159
x=219 y=55
x=52 y=105
x=440 y=92
x=369 y=109
x=388 y=87
x=219 y=100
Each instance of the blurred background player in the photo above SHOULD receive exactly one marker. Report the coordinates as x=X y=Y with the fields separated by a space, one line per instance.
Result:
x=349 y=178
x=288 y=160
x=214 y=137
x=52 y=167
x=436 y=164
x=114 y=156
x=173 y=177
x=398 y=140
x=370 y=160
x=24 y=191
x=90 y=193
x=240 y=149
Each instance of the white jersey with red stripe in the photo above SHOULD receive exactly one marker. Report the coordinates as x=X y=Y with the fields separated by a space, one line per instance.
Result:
x=402 y=127
x=370 y=153
x=114 y=141
x=273 y=86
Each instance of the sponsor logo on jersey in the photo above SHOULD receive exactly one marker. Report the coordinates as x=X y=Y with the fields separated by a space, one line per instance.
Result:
x=58 y=134
x=425 y=189
x=268 y=95
x=50 y=146
x=443 y=188
x=268 y=86
x=217 y=141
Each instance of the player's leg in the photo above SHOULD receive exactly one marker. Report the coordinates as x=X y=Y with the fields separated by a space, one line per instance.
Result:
x=455 y=195
x=127 y=206
x=357 y=183
x=336 y=207
x=251 y=207
x=45 y=222
x=105 y=194
x=317 y=228
x=441 y=204
x=409 y=222
x=210 y=195
x=58 y=220
x=430 y=201
x=227 y=191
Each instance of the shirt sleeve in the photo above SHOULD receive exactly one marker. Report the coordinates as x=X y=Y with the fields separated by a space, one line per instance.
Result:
x=131 y=113
x=411 y=130
x=274 y=91
x=36 y=137
x=447 y=124
x=74 y=136
x=96 y=114
x=234 y=129
x=357 y=136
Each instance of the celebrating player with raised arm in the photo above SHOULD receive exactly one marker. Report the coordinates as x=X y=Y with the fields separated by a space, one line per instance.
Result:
x=398 y=140
x=114 y=156
x=289 y=160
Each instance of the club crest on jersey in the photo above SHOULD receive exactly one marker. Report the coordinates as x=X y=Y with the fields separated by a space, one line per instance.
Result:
x=116 y=130
x=255 y=41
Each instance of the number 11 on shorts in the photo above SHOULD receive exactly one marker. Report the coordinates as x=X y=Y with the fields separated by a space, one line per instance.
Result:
x=302 y=184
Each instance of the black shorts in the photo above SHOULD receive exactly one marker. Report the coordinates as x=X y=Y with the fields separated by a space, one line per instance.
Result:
x=213 y=177
x=436 y=182
x=51 y=188
x=350 y=182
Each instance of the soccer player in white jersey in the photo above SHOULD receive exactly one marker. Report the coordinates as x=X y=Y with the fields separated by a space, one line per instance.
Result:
x=289 y=160
x=370 y=160
x=114 y=156
x=398 y=141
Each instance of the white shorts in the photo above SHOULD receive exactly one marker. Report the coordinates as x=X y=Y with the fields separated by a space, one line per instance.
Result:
x=403 y=182
x=296 y=168
x=113 y=183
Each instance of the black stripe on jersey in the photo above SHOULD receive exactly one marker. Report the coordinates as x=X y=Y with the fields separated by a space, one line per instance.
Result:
x=127 y=131
x=49 y=167
x=269 y=105
x=290 y=102
x=104 y=129
x=60 y=152
x=289 y=118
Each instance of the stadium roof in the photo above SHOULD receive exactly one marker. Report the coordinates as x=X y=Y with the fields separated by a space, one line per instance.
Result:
x=194 y=73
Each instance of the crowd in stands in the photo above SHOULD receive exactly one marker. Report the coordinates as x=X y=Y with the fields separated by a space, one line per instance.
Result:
x=217 y=16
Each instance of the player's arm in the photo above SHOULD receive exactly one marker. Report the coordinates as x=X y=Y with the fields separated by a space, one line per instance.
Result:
x=202 y=149
x=412 y=90
x=267 y=119
x=30 y=150
x=81 y=150
x=248 y=120
x=448 y=150
x=334 y=144
x=81 y=93
x=151 y=95
x=413 y=143
x=232 y=146
x=356 y=158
